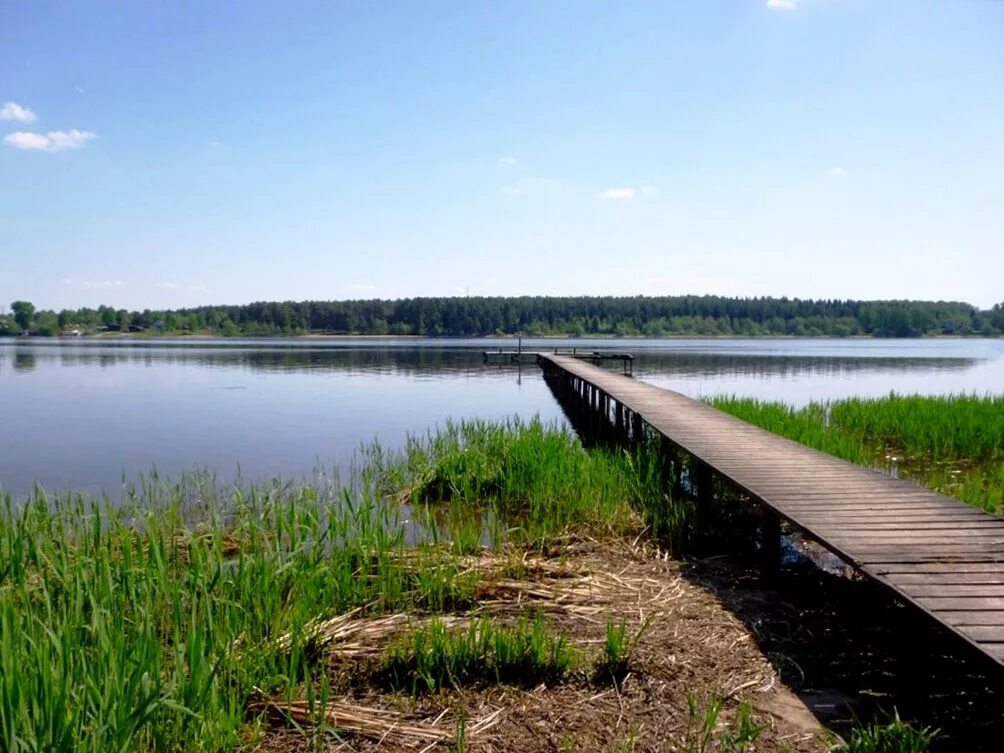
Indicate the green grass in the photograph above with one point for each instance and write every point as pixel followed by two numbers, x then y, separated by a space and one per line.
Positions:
pixel 894 736
pixel 435 656
pixel 149 624
pixel 536 478
pixel 708 732
pixel 952 444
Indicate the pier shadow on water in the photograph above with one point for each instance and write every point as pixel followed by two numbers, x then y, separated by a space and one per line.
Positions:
pixel 849 649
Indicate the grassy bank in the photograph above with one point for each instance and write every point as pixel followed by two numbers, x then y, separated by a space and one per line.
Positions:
pixel 153 625
pixel 486 581
pixel 952 444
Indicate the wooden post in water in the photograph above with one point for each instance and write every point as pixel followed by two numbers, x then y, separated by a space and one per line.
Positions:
pixel 705 482
pixel 636 429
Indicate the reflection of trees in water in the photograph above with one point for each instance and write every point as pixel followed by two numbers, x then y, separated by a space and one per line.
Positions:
pixel 303 360
pixel 709 365
pixel 24 360
pixel 430 361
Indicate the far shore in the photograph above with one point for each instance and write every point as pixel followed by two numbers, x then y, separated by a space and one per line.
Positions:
pixel 205 336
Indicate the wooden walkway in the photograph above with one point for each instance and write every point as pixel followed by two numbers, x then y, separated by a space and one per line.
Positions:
pixel 941 555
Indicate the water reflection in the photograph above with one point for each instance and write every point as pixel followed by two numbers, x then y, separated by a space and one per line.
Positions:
pixel 453 361
pixel 759 366
pixel 24 360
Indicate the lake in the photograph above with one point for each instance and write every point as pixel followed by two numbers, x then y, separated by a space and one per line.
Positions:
pixel 85 414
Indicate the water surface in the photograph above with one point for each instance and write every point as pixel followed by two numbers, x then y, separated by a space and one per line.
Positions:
pixel 84 414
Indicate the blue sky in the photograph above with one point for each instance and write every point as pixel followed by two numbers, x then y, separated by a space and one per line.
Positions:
pixel 170 153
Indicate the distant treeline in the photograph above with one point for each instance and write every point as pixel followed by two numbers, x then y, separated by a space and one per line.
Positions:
pixel 535 315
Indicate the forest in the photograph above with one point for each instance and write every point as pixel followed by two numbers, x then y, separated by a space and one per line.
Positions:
pixel 604 316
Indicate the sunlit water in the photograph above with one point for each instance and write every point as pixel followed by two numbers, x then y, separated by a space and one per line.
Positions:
pixel 84 414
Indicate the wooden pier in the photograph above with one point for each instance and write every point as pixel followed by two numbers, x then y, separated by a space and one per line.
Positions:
pixel 595 357
pixel 937 554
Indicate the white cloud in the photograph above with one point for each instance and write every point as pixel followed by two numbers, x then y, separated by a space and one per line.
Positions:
pixel 199 289
pixel 362 286
pixel 836 172
pixel 100 284
pixel 168 285
pixel 14 111
pixel 782 4
pixel 648 190
pixel 507 161
pixel 53 141
pixel 619 193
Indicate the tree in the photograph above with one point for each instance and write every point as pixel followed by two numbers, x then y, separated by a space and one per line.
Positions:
pixel 23 313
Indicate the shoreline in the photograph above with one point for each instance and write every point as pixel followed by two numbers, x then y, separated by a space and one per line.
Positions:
pixel 486 338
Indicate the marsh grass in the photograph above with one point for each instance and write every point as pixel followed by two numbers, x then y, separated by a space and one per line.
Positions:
pixel 151 624
pixel 436 656
pixel 952 444
pixel 536 478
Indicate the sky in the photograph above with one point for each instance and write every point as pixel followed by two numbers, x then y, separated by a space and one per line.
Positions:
pixel 162 153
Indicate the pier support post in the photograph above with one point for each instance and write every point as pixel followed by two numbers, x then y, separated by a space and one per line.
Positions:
pixel 705 492
pixel 637 429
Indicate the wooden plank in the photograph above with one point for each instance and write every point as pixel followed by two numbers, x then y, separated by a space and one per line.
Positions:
pixel 905 580
pixel 967 618
pixel 963 603
pixel 935 527
pixel 902 568
pixel 995 650
pixel 953 590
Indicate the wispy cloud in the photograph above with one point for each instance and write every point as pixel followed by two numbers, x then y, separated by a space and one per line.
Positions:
pixel 14 111
pixel 168 285
pixel 782 4
pixel 362 286
pixel 53 141
pixel 507 161
pixel 619 193
pixel 92 284
pixel 836 172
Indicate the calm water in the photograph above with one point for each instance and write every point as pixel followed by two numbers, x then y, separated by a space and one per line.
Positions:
pixel 81 414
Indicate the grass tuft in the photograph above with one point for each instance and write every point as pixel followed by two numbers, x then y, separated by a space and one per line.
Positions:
pixel 434 656
pixel 894 736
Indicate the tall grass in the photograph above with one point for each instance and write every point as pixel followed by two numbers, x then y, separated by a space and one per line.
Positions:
pixel 952 444
pixel 149 624
pixel 536 478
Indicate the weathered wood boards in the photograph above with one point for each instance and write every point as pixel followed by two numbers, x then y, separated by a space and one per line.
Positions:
pixel 941 555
